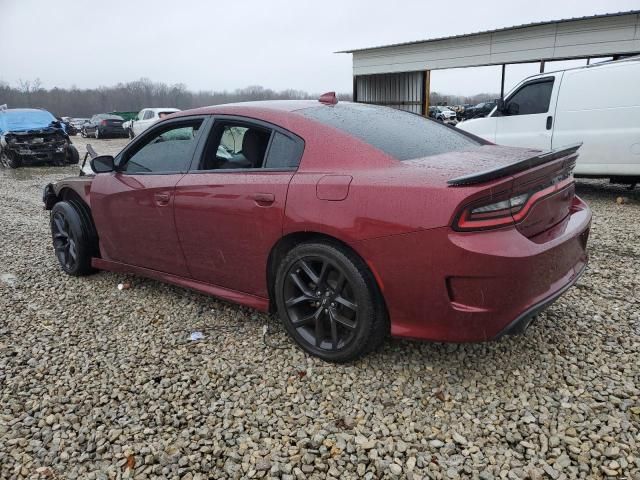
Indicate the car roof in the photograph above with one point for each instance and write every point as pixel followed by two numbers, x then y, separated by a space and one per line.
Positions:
pixel 163 109
pixel 272 105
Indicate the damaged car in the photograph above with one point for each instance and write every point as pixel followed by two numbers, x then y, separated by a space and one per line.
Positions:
pixel 352 221
pixel 32 136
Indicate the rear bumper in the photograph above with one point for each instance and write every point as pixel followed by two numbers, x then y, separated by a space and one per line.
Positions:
pixel 114 131
pixel 443 285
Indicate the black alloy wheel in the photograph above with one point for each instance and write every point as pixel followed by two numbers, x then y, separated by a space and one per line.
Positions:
pixel 329 302
pixel 74 238
pixel 64 243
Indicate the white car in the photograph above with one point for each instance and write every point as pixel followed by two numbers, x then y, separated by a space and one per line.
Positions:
pixel 598 105
pixel 145 118
pixel 446 115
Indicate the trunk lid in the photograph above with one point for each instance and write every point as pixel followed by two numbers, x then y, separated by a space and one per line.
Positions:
pixel 492 173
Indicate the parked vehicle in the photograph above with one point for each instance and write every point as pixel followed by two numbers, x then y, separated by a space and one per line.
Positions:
pixel 480 110
pixel 300 214
pixel 145 119
pixel 33 136
pixel 78 122
pixel 103 125
pixel 446 115
pixel 598 105
pixel 67 125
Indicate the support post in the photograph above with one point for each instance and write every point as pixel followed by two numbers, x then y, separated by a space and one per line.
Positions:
pixel 588 60
pixel 426 92
pixel 541 66
pixel 355 88
pixel 504 67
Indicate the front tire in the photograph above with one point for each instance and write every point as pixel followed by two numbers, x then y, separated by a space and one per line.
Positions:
pixel 329 302
pixel 10 159
pixel 74 238
pixel 72 155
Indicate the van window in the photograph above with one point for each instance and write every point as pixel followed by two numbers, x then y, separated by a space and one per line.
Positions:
pixel 530 98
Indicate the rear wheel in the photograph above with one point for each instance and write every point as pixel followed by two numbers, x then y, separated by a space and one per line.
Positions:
pixel 74 239
pixel 329 303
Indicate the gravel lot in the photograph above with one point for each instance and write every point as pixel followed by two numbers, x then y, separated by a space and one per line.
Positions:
pixel 102 383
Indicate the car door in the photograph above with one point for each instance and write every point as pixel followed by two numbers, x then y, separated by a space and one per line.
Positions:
pixel 133 207
pixel 229 208
pixel 526 120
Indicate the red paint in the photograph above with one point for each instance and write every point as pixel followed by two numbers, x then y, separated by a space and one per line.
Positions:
pixel 216 230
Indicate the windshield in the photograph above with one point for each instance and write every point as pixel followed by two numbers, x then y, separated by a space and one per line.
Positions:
pixel 402 135
pixel 17 120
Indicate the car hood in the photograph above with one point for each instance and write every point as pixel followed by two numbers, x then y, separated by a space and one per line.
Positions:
pixel 27 121
pixel 441 168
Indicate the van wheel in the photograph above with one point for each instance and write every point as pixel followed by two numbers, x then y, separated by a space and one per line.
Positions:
pixel 329 302
pixel 10 159
pixel 74 238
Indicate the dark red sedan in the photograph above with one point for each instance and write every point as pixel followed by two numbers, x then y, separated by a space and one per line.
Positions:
pixel 352 221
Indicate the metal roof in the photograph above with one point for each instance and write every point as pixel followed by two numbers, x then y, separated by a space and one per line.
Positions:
pixel 515 27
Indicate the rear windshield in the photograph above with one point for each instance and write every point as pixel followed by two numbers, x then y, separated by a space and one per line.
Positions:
pixel 402 135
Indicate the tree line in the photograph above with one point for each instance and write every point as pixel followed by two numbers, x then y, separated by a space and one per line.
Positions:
pixel 143 93
pixel 133 96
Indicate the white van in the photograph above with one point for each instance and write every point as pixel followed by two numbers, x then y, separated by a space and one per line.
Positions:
pixel 598 105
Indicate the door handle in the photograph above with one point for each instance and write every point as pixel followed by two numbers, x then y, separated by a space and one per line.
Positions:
pixel 264 198
pixel 162 198
pixel 549 122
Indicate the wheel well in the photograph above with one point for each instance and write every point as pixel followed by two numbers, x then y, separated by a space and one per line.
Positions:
pixel 286 243
pixel 67 194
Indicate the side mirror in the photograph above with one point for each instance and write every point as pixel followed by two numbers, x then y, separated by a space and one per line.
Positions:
pixel 500 105
pixel 102 164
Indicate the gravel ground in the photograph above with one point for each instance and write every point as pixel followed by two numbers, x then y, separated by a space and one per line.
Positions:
pixel 103 383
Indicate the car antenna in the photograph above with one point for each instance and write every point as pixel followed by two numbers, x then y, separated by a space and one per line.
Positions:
pixel 328 98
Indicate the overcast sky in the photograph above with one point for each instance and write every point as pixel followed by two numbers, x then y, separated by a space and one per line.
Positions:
pixel 216 45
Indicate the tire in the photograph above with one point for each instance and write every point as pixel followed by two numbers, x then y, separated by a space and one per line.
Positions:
pixel 329 302
pixel 10 160
pixel 72 157
pixel 83 133
pixel 74 238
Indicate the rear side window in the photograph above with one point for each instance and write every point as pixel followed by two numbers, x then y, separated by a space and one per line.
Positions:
pixel 530 99
pixel 402 135
pixel 284 152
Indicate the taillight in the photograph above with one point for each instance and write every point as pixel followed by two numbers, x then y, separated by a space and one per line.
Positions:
pixel 491 215
pixel 487 214
pixel 103 123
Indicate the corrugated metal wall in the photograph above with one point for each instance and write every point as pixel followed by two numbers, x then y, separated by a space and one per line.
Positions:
pixel 403 91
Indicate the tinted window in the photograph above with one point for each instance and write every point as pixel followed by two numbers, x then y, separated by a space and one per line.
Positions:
pixel 400 134
pixel 148 115
pixel 530 99
pixel 284 152
pixel 167 150
pixel 233 145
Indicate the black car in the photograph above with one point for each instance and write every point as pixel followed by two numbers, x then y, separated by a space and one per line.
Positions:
pixel 480 110
pixel 103 125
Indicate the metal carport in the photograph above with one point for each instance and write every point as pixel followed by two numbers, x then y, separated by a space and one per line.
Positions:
pixel 399 75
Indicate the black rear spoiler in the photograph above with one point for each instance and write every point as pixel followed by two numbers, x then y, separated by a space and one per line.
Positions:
pixel 515 167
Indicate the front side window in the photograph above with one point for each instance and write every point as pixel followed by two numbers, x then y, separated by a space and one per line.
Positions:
pixel 148 115
pixel 234 145
pixel 166 150
pixel 530 99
